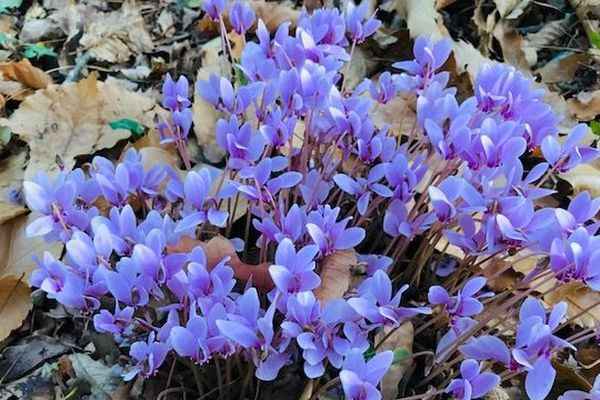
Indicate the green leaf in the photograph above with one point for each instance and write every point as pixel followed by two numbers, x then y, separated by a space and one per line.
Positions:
pixel 5 5
pixel 37 50
pixel 136 129
pixel 400 354
pixel 4 38
pixel 594 39
pixel 595 126
pixel 5 135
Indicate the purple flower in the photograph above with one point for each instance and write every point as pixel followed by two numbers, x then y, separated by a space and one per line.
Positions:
pixel 241 142
pixel 255 335
pixel 593 394
pixel 190 341
pixel 362 188
pixel 464 304
pixel 429 57
pixel 214 8
pixel 329 234
pixel 359 30
pixel 148 356
pixel 293 271
pixel 241 16
pixel 291 226
pixel 535 345
pixel 474 383
pixel 360 379
pixel 264 188
pixel 577 258
pixel 568 156
pixel 175 94
pixel 114 323
pixel 376 304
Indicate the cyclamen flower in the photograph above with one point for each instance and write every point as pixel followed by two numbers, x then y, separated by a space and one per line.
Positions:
pixel 241 16
pixel 148 356
pixel 535 345
pixel 474 383
pixel 358 29
pixel 593 394
pixel 363 188
pixel 568 156
pixel 464 304
pixel 175 94
pixel 263 187
pixel 56 202
pixel 330 234
pixel 115 323
pixel 293 271
pixel 577 258
pixel 214 8
pixel 255 335
pixel 360 379
pixel 190 341
pixel 376 304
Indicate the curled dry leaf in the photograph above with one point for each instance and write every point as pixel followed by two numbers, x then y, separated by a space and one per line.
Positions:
pixel 116 36
pixel 218 248
pixel 103 379
pixel 585 107
pixel 400 341
pixel 25 73
pixel 15 304
pixel 580 299
pixel 399 114
pixel 65 121
pixel 336 275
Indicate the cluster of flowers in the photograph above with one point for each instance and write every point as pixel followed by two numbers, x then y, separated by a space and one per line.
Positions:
pixel 318 175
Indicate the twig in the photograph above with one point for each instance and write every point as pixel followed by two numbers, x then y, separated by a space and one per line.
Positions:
pixel 80 63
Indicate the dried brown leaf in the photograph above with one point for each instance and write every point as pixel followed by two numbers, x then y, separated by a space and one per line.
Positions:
pixel 399 114
pixel 584 178
pixel 11 178
pixel 16 248
pixel 585 107
pixel 563 69
pixel 400 339
pixel 218 248
pixel 26 74
pixel 15 304
pixel 69 120
pixel 336 275
pixel 116 36
pixel 580 299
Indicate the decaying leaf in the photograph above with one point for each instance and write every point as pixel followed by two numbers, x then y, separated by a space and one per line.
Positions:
pixel 562 69
pixel 399 114
pixel 29 353
pixel 26 74
pixel 585 106
pixel 422 18
pixel 15 304
pixel 72 119
pixel 11 179
pixel 16 248
pixel 399 341
pixel 580 299
pixel 336 275
pixel 585 177
pixel 218 248
pixel 116 36
pixel 103 379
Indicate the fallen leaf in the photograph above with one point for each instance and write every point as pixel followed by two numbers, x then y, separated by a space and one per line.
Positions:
pixel 398 114
pixel 116 36
pixel 562 69
pixel 336 274
pixel 26 74
pixel 16 248
pixel 579 297
pixel 549 32
pixel 28 354
pixel 585 108
pixel 12 170
pixel 400 340
pixel 72 119
pixel 103 379
pixel 585 177
pixel 15 304
pixel 36 386
pixel 567 379
pixel 220 247
pixel 422 18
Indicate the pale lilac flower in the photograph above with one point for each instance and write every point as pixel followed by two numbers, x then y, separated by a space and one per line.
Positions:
pixel 360 379
pixel 473 384
pixel 241 16
pixel 148 356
